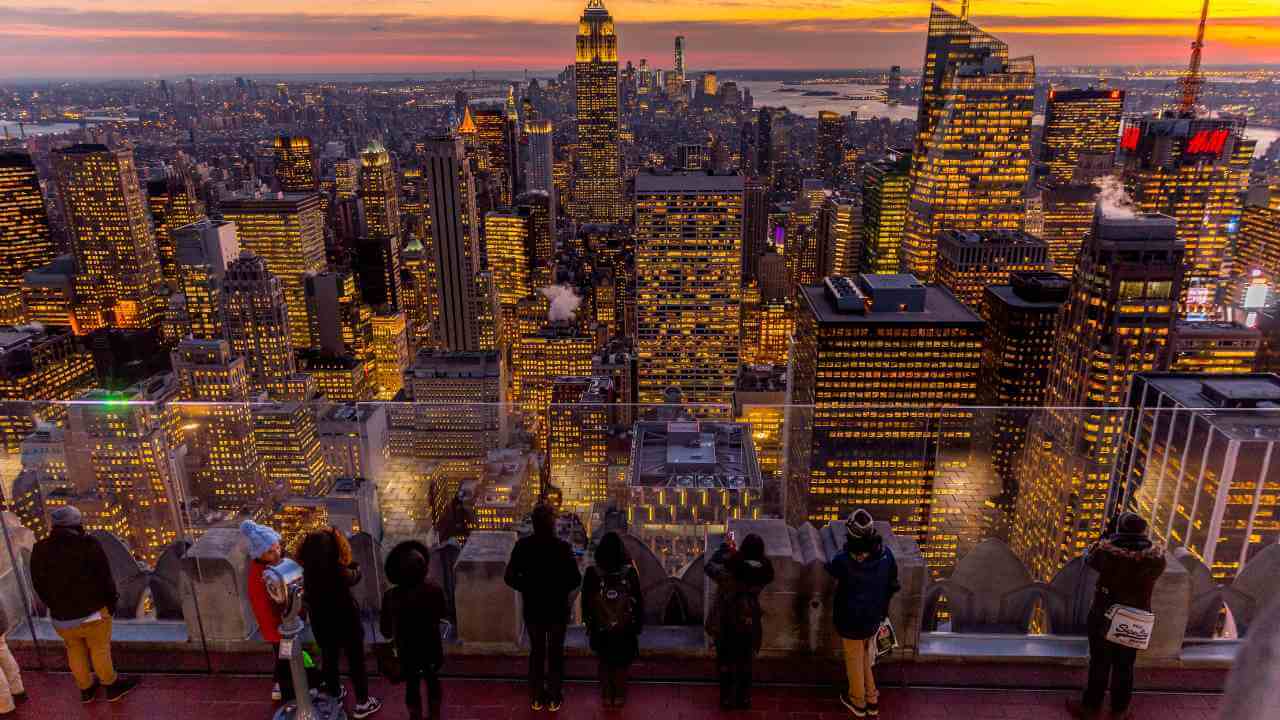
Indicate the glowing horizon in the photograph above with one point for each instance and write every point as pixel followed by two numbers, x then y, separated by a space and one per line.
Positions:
pixel 166 37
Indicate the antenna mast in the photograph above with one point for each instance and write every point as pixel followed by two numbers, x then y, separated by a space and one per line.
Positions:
pixel 964 9
pixel 1193 81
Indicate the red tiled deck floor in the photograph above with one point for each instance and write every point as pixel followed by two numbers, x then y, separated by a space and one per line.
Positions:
pixel 247 698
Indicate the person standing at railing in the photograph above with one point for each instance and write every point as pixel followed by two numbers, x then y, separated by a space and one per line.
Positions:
pixel 328 573
pixel 1128 565
pixel 412 611
pixel 72 577
pixel 866 575
pixel 545 572
pixel 263 545
pixel 735 620
pixel 613 612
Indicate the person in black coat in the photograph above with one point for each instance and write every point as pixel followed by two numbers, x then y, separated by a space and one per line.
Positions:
pixel 1128 565
pixel 613 613
pixel 545 572
pixel 328 573
pixel 866 576
pixel 412 611
pixel 72 577
pixel 734 623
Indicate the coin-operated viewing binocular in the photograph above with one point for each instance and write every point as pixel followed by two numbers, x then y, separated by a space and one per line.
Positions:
pixel 284 585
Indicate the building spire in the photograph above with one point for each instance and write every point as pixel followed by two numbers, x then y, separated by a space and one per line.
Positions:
pixel 1193 81
pixel 964 9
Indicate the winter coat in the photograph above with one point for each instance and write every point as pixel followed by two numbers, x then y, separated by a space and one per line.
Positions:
pixel 71 575
pixel 545 573
pixel 265 609
pixel 328 575
pixel 734 576
pixel 616 648
pixel 863 590
pixel 1128 567
pixel 412 610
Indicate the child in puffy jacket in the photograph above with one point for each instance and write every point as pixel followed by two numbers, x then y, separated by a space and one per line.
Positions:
pixel 264 550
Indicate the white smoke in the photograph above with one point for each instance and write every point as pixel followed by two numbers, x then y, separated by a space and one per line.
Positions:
pixel 1113 199
pixel 564 302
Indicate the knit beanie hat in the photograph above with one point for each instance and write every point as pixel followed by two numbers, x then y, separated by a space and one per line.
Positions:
pixel 67 516
pixel 859 524
pixel 259 537
pixel 1131 524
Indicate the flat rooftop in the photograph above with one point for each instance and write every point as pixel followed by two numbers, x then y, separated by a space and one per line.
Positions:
pixel 694 455
pixel 940 306
pixel 687 182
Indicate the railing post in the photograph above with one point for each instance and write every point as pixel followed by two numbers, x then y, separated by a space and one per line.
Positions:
pixel 488 611
pixel 217 569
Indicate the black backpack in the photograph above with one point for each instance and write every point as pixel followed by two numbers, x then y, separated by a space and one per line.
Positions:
pixel 615 608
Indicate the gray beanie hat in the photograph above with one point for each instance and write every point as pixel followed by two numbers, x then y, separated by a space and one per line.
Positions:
pixel 67 516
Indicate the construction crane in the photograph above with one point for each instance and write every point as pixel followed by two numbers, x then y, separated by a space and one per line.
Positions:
pixel 1193 81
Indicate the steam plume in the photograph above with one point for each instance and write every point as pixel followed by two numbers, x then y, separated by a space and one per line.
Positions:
pixel 564 302
pixel 1113 199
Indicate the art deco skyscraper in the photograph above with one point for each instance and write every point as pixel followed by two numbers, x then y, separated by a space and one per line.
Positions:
pixel 454 239
pixel 973 151
pixel 115 249
pixel 295 164
pixel 258 324
pixel 25 240
pixel 688 285
pixel 597 189
pixel 1115 323
pixel 1080 125
pixel 288 234
pixel 378 252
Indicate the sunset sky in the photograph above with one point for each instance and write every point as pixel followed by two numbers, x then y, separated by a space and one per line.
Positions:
pixel 150 38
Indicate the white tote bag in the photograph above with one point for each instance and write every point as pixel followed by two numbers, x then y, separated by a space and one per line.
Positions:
pixel 1130 627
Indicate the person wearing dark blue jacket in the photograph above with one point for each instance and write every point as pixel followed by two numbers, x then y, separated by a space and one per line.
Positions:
pixel 866 575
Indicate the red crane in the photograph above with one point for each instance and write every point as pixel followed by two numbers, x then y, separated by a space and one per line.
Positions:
pixel 1193 81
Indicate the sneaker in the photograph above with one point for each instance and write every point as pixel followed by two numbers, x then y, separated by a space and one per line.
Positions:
pixel 856 710
pixel 366 708
pixel 88 696
pixel 536 703
pixel 20 698
pixel 554 705
pixel 276 696
pixel 873 709
pixel 121 687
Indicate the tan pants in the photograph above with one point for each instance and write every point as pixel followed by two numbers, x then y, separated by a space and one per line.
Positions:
pixel 858 656
pixel 10 677
pixel 89 652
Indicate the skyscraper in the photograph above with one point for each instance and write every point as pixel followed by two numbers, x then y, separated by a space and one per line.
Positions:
pixel 1257 250
pixel 597 188
pixel 203 251
pixel 539 173
pixel 116 265
pixel 969 261
pixel 1197 458
pixel 679 58
pixel 286 437
pixel 1115 323
pixel 288 234
pixel 454 237
pixel 377 258
pixel 25 240
pixel 390 353
pixel 1066 214
pixel 173 203
pixel 541 209
pixel 508 240
pixel 497 151
pixel 1017 351
pixel 258 325
pixel 1079 124
pixel 1194 170
pixel 973 149
pixel 1212 347
pixel 886 189
pixel 577 440
pixel 755 225
pixel 688 285
pixel 831 140
pixel 877 359
pixel 558 348
pixel 295 164
pixel 840 236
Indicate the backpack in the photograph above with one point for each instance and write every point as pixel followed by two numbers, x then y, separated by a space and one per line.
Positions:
pixel 615 608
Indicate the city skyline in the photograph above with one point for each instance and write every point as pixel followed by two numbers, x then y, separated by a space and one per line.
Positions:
pixel 124 38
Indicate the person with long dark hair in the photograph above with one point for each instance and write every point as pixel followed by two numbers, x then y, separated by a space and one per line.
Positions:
pixel 613 613
pixel 328 573
pixel 411 614
pixel 734 623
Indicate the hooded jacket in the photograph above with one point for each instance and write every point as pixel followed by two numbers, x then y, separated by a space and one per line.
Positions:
pixel 863 588
pixel 71 575
pixel 328 574
pixel 1128 567
pixel 413 608
pixel 733 575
